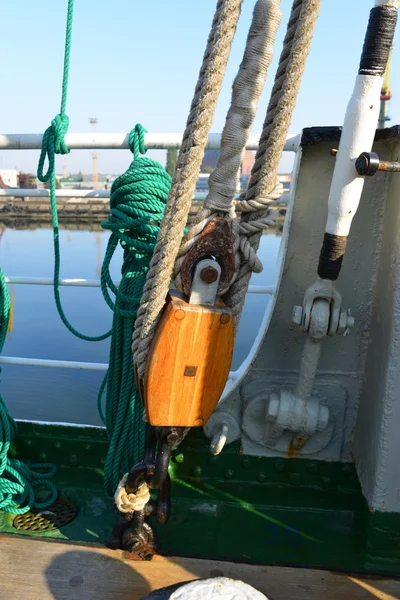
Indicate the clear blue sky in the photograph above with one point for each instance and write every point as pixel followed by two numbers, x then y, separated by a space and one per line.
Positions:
pixel 134 61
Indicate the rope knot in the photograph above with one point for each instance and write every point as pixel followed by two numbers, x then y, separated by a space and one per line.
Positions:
pixel 127 503
pixel 136 140
pixel 53 143
pixel 59 127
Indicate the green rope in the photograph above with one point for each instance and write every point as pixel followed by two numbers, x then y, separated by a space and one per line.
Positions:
pixel 137 202
pixel 54 143
pixel 22 485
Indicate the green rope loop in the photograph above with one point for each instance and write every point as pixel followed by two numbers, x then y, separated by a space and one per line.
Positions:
pixel 137 202
pixel 21 484
pixel 54 143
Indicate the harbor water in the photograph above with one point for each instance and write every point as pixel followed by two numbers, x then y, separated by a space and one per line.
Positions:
pixel 69 395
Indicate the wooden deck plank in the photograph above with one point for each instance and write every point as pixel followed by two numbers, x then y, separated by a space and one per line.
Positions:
pixel 41 570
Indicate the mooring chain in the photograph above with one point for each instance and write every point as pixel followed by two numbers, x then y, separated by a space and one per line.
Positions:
pixel 132 497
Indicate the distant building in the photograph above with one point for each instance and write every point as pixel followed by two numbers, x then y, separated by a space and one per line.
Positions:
pixel 71 183
pixel 211 158
pixel 202 183
pixel 27 181
pixel 9 178
pixel 209 161
pixel 247 162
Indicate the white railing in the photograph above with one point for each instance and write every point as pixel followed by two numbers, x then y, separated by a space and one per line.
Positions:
pixel 155 141
pixel 115 141
pixel 42 193
pixel 253 289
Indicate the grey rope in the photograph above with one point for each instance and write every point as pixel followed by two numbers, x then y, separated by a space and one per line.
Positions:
pixel 246 91
pixel 187 170
pixel 279 114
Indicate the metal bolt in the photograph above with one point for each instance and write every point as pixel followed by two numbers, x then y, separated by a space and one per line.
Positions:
pixel 273 408
pixel 209 275
pixel 198 422
pixel 323 417
pixel 219 439
pixel 179 458
pixel 224 318
pixel 57 445
pixel 228 474
pixel 73 460
pixel 279 465
pixel 312 468
pixel 297 316
pixel 261 477
pixel 295 478
pixel 196 471
pixel 350 319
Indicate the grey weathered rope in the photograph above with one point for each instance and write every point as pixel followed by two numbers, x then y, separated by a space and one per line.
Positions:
pixel 187 170
pixel 246 91
pixel 279 114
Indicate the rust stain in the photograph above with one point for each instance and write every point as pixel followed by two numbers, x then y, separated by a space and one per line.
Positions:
pixel 296 445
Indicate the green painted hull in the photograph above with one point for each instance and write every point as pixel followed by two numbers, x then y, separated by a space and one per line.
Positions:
pixel 233 507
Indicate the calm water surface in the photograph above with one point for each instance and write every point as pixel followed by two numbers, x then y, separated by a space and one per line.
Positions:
pixel 69 395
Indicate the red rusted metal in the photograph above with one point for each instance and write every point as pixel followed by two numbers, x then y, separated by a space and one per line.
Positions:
pixel 216 242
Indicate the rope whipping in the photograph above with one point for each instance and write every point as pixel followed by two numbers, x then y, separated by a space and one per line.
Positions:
pixel 137 203
pixel 187 170
pixel 23 485
pixel 54 143
pixel 262 183
pixel 246 91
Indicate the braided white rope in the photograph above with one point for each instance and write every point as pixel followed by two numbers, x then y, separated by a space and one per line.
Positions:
pixel 127 503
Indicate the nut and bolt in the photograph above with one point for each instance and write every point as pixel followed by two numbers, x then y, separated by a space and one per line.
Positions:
pixel 297 316
pixel 209 275
pixel 273 407
pixel 346 322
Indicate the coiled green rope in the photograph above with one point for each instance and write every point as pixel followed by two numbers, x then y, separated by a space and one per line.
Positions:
pixel 138 199
pixel 21 484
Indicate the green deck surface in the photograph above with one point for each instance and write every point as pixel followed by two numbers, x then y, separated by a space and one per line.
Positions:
pixel 233 507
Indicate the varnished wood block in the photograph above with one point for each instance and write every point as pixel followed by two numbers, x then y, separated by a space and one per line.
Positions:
pixel 188 364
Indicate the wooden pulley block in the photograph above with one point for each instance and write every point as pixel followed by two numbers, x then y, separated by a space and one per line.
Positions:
pixel 188 363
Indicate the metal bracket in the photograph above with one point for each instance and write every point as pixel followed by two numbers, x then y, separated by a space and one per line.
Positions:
pixel 214 241
pixel 325 290
pixel 205 282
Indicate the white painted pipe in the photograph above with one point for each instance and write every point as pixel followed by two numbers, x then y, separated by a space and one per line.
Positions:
pixel 358 134
pixel 113 141
pixel 253 289
pixel 42 193
pixel 53 364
